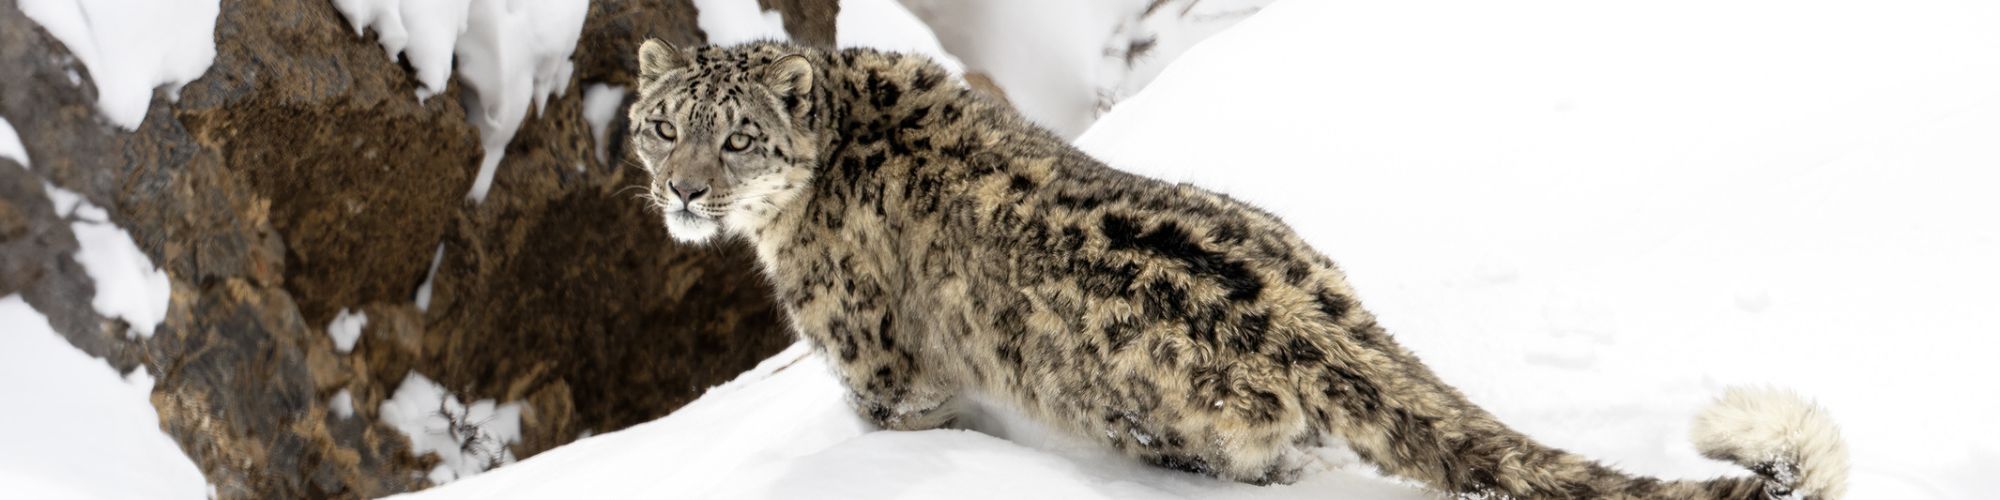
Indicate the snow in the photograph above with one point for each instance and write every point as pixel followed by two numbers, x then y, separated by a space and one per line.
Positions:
pixel 346 329
pixel 128 285
pixel 132 46
pixel 423 298
pixel 467 439
pixel 427 40
pixel 730 22
pixel 886 25
pixel 341 404
pixel 782 430
pixel 1591 239
pixel 601 103
pixel 74 428
pixel 511 54
pixel 1589 217
pixel 10 145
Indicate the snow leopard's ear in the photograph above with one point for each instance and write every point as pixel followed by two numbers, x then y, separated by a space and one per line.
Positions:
pixel 656 58
pixel 790 76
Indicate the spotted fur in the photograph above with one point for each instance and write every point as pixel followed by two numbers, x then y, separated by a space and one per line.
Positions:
pixel 933 244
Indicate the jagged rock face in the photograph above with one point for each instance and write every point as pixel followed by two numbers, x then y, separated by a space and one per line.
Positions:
pixel 300 176
pixel 360 176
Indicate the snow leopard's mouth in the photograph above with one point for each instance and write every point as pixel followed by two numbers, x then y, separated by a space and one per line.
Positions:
pixel 689 216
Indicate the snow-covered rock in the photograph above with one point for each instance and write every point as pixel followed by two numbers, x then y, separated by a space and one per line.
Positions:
pixel 1061 61
pixel 513 55
pixel 132 46
pixel 128 285
pixel 1590 217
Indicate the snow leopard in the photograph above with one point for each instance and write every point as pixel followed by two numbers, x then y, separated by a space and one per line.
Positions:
pixel 937 247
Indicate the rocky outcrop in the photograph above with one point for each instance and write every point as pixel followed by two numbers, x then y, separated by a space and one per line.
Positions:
pixel 300 177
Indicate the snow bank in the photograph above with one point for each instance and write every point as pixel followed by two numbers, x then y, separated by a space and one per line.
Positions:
pixel 132 46
pixel 466 439
pixel 1591 217
pixel 730 22
pixel 128 285
pixel 1584 215
pixel 511 54
pixel 10 144
pixel 74 428
pixel 783 430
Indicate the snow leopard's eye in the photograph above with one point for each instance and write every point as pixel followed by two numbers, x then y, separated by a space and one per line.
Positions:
pixel 663 130
pixel 737 142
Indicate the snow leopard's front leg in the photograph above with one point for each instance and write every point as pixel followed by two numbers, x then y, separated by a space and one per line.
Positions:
pixel 887 384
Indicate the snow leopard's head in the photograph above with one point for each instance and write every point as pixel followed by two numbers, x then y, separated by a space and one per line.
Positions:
pixel 724 133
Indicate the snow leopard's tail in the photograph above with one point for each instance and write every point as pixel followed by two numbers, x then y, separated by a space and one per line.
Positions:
pixel 1787 440
pixel 1409 423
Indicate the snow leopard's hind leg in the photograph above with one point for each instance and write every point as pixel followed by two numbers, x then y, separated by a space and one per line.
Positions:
pixel 888 386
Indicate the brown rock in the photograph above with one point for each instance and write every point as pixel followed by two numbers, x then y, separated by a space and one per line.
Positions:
pixel 361 176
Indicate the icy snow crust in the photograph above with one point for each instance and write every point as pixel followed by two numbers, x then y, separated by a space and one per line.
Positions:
pixel 132 46
pixel 1590 217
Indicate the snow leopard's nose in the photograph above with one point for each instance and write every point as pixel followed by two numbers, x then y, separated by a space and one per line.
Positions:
pixel 688 192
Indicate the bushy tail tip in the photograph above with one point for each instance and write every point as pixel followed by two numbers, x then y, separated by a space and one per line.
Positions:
pixel 1778 434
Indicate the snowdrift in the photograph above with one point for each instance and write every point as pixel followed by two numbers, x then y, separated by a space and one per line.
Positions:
pixel 1590 217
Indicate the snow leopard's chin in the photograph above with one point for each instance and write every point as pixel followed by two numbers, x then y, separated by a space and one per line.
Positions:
pixel 689 228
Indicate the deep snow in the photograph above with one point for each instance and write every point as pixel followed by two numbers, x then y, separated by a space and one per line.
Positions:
pixel 1590 217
